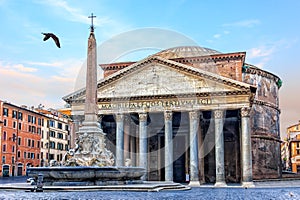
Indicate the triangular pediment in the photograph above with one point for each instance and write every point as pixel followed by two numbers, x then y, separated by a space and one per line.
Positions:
pixel 156 76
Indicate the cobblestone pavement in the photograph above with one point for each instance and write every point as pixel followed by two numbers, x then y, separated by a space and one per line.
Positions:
pixel 194 193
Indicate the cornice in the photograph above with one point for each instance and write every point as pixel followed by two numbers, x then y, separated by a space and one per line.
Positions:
pixel 212 58
pixel 186 95
pixel 259 102
pixel 251 69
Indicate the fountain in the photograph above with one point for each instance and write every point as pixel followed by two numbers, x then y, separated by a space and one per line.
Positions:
pixel 89 163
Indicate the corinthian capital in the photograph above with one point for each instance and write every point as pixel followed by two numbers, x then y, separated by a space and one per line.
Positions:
pixel 245 111
pixel 168 115
pixel 119 117
pixel 194 115
pixel 218 114
pixel 143 117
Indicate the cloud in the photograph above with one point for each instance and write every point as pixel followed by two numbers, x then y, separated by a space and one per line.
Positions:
pixel 244 23
pixel 22 68
pixel 262 51
pixel 24 88
pixel 75 14
pixel 46 64
pixel 217 36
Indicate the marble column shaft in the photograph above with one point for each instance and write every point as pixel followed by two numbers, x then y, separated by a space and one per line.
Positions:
pixel 143 147
pixel 219 147
pixel 168 146
pixel 194 127
pixel 120 140
pixel 126 137
pixel 246 146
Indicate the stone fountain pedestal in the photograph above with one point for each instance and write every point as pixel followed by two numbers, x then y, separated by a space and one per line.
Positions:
pixel 87 175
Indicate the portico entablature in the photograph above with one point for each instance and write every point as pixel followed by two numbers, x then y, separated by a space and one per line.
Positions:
pixel 156 84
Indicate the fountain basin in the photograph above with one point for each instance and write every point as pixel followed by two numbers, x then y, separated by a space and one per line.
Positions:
pixel 82 175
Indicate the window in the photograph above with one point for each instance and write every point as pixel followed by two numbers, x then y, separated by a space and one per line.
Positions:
pixel 60 146
pixel 42 144
pixel 52 133
pixel 39 130
pixel 33 129
pixel 33 119
pixel 29 128
pixel 66 147
pixel 57 157
pixel 29 118
pixel 19 154
pixel 13 148
pixel 14 137
pixel 28 155
pixel 3 159
pixel 66 127
pixel 24 155
pixel 4 135
pixel 39 121
pixel 51 123
pixel 19 141
pixel 38 156
pixel 5 122
pixel 59 125
pixel 52 145
pixel 42 134
pixel 14 124
pixel 20 116
pixel 20 126
pixel 47 155
pixel 14 114
pixel 29 142
pixel 32 143
pixel 38 144
pixel 60 135
pixel 13 159
pixel 51 156
pixel 32 155
pixel 5 112
pixel 4 148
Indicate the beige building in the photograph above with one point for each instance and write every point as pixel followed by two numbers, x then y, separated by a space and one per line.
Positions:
pixel 293 147
pixel 56 136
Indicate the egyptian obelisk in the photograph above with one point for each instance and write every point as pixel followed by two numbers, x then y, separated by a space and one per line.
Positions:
pixel 90 143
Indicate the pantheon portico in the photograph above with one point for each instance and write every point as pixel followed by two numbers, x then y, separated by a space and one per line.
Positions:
pixel 189 114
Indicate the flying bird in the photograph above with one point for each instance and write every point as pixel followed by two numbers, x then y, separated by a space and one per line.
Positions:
pixel 54 37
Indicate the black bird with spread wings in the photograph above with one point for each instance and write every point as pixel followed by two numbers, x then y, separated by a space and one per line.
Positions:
pixel 54 37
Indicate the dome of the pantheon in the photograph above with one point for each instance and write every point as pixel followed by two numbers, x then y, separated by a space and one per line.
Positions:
pixel 186 51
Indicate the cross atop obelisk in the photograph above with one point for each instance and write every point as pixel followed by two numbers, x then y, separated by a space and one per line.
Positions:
pixel 92 22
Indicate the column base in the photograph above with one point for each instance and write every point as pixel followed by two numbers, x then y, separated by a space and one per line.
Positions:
pixel 249 184
pixel 220 184
pixel 194 184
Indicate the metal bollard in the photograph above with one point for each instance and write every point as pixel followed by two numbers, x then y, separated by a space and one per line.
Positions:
pixel 39 185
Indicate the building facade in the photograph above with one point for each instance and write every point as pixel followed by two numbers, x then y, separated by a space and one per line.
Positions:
pixel 292 148
pixel 31 137
pixel 56 137
pixel 20 139
pixel 190 114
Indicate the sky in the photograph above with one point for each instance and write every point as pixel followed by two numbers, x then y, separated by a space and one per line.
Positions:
pixel 34 72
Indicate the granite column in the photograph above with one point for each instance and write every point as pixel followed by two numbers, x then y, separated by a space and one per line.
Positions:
pixel 168 115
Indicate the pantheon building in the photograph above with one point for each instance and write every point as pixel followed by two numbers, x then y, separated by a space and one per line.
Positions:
pixel 190 113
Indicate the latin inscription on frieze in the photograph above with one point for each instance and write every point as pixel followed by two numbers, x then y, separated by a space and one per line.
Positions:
pixel 155 104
